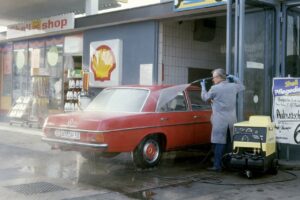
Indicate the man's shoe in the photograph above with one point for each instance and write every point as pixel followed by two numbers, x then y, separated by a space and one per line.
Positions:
pixel 214 169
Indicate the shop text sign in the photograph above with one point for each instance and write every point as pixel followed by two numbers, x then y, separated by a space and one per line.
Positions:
pixel 286 109
pixel 180 5
pixel 39 26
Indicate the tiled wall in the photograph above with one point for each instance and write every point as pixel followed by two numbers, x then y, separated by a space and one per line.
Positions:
pixel 178 51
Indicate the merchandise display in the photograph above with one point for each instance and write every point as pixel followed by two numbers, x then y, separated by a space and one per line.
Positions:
pixel 73 88
pixel 40 99
pixel 20 111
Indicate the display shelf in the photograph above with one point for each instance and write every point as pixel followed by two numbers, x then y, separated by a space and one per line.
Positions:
pixel 20 112
pixel 73 85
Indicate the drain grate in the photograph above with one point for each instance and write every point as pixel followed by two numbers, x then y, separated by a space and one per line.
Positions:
pixel 35 188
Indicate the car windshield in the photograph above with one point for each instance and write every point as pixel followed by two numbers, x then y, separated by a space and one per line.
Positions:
pixel 119 100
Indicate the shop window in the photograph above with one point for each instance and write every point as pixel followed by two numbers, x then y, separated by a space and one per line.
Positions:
pixel 6 71
pixel 54 65
pixel 73 72
pixel 21 78
pixel 6 77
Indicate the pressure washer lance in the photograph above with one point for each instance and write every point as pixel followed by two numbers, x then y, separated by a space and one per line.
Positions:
pixel 230 79
pixel 202 79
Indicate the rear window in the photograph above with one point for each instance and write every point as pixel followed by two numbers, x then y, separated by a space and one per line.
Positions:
pixel 119 100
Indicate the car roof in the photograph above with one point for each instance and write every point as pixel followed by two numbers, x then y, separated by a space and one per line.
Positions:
pixel 152 87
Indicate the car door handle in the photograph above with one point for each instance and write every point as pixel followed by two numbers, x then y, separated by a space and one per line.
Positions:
pixel 164 119
pixel 196 116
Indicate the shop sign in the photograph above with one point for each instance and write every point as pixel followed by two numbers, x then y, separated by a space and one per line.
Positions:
pixel 180 5
pixel 286 109
pixel 39 26
pixel 105 63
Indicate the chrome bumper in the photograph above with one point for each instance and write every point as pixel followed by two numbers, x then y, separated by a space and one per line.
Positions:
pixel 78 144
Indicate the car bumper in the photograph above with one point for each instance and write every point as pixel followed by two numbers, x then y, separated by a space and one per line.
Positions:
pixel 68 144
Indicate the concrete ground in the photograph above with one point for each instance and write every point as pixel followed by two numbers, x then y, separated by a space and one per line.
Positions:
pixel 25 159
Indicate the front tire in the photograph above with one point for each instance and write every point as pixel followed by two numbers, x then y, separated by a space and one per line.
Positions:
pixel 148 153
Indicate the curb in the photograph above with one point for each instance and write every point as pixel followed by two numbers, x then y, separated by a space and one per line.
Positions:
pixel 289 164
pixel 20 129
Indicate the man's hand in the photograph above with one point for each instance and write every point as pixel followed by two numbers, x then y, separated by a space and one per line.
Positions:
pixel 232 78
pixel 202 83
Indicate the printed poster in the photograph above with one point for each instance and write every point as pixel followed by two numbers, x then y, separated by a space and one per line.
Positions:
pixel 286 109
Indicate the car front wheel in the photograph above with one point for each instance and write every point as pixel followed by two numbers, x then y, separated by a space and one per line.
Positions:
pixel 148 153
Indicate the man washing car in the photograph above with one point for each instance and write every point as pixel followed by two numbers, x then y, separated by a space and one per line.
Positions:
pixel 222 96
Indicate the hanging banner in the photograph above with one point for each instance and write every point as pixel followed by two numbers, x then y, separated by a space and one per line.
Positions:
pixel 105 63
pixel 180 5
pixel 286 109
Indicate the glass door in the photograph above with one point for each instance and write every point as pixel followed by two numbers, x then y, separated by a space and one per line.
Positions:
pixel 259 64
pixel 292 59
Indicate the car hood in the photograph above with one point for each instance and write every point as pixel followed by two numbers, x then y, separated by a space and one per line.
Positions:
pixel 100 121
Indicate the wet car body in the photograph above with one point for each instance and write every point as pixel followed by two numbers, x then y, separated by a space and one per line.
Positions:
pixel 148 124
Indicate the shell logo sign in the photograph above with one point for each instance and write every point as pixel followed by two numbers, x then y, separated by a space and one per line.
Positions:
pixel 105 63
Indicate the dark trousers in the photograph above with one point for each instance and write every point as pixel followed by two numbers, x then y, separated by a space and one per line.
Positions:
pixel 220 149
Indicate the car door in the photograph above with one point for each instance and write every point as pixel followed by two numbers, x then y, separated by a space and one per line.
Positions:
pixel 176 121
pixel 201 113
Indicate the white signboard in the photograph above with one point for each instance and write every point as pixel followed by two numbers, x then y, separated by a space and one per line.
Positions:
pixel 39 26
pixel 146 74
pixel 105 63
pixel 286 109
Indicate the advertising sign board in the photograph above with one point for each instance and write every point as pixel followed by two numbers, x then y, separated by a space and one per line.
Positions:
pixel 286 109
pixel 180 5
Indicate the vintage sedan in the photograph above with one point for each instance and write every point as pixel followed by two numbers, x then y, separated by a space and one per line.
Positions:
pixel 143 120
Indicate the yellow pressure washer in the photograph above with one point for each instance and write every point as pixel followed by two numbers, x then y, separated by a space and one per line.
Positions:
pixel 254 146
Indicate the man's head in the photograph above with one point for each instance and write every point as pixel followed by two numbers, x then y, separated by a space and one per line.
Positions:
pixel 218 75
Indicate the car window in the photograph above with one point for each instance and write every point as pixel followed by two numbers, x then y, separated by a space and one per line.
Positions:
pixel 196 101
pixel 178 103
pixel 119 100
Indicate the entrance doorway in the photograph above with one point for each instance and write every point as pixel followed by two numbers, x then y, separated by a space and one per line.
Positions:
pixel 191 49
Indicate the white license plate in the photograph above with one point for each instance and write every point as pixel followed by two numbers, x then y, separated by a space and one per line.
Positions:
pixel 67 134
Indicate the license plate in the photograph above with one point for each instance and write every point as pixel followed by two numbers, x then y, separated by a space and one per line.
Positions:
pixel 67 134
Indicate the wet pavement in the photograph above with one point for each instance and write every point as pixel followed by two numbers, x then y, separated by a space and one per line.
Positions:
pixel 31 170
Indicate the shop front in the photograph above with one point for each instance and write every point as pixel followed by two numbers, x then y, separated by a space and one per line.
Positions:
pixel 36 78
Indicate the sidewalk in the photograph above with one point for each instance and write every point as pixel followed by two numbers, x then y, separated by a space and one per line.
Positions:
pixel 5 126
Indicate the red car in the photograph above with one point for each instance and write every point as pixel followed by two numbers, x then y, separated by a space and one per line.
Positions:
pixel 144 120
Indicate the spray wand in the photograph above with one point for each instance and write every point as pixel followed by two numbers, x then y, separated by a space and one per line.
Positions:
pixel 202 79
pixel 230 79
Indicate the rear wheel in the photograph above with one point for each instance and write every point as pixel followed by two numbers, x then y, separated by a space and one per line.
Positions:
pixel 148 153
